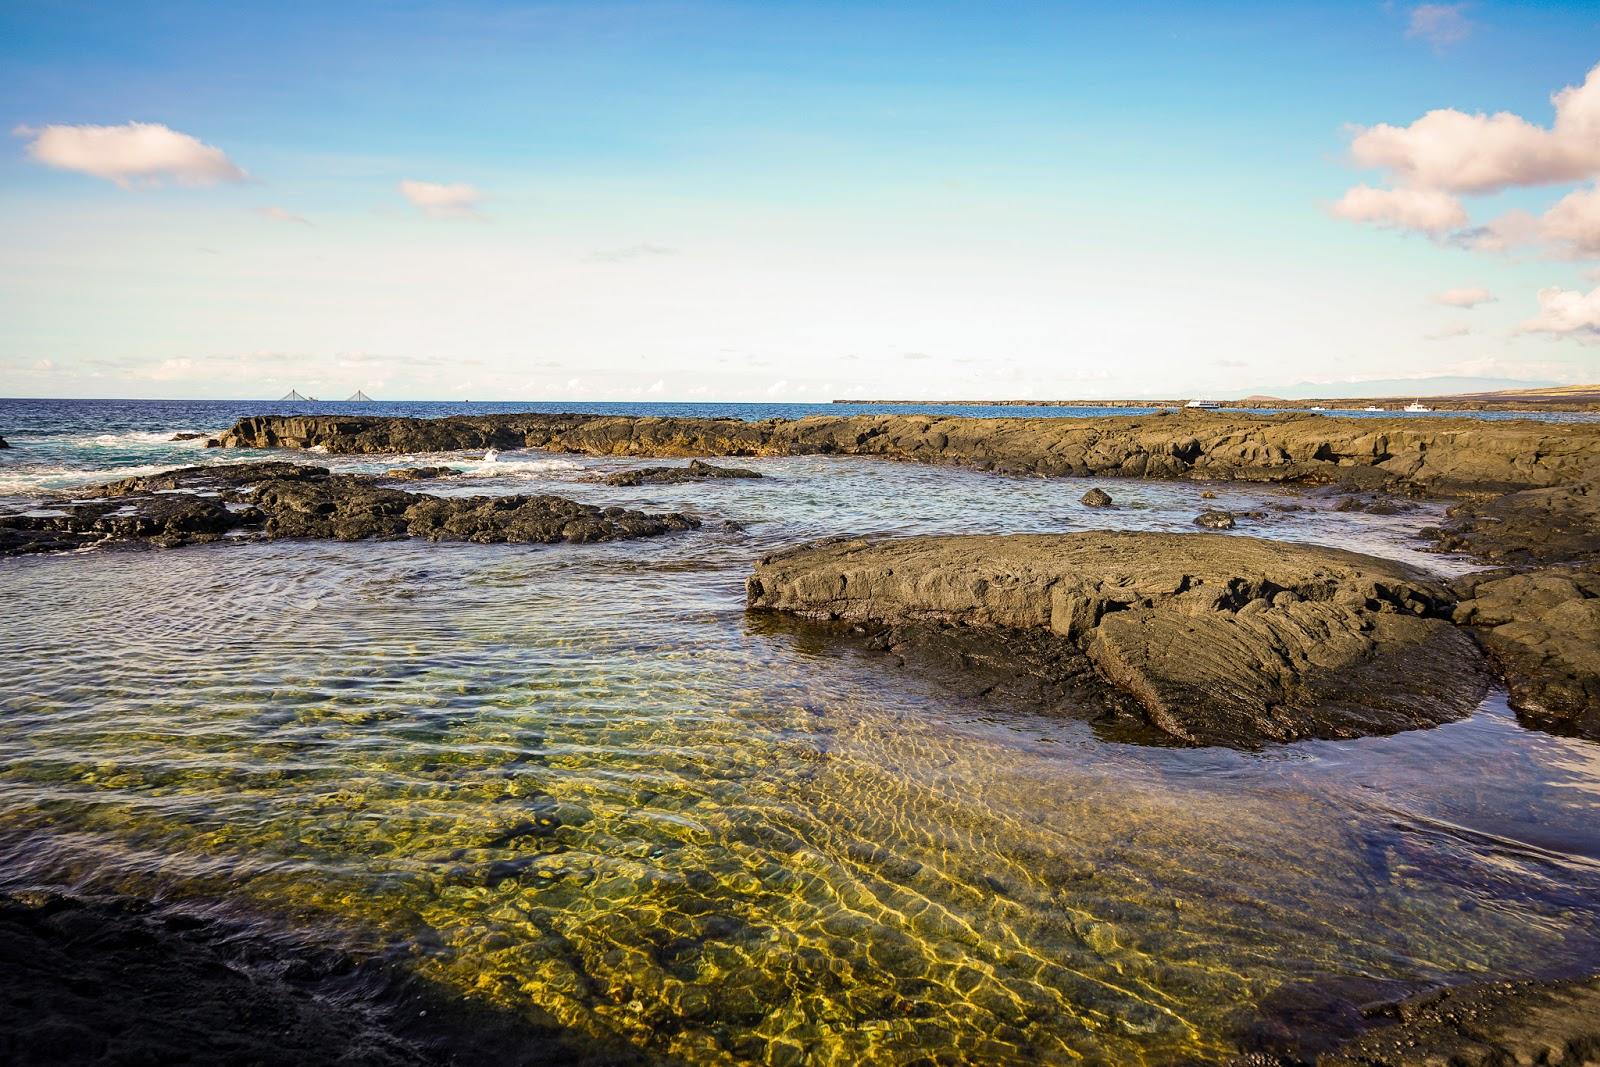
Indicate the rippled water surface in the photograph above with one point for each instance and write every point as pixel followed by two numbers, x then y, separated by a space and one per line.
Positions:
pixel 578 782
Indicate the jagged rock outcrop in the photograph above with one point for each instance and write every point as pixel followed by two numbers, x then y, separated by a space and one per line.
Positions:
pixel 1542 628
pixel 1441 455
pixel 696 471
pixel 276 500
pixel 1220 639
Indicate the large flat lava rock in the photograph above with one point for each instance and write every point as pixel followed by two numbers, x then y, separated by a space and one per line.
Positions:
pixel 1220 639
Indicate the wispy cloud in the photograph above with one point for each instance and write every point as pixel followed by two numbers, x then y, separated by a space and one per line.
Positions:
pixel 137 153
pixel 1445 333
pixel 1468 296
pixel 454 201
pixel 643 250
pixel 279 214
pixel 1439 24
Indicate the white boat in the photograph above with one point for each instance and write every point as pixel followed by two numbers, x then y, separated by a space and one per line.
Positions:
pixel 1203 405
pixel 1318 407
pixel 1417 405
pixel 1373 407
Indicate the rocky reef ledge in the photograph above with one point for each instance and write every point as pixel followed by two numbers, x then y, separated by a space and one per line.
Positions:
pixel 1219 639
pixel 276 500
pixel 1433 454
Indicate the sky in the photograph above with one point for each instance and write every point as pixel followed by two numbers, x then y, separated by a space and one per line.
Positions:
pixel 793 201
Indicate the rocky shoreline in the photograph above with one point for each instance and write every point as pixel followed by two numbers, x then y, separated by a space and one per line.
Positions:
pixel 1437 456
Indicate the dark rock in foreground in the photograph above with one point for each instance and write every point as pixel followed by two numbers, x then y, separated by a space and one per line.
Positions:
pixel 276 500
pixel 1221 640
pixel 124 982
pixel 696 471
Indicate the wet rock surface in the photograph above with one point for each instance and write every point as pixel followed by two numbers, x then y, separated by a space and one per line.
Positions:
pixel 1220 640
pixel 276 500
pixel 1215 520
pixel 1441 454
pixel 696 471
pixel 1554 1023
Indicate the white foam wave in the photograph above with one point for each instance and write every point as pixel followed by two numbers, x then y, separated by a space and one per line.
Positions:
pixel 135 439
pixel 511 468
pixel 32 482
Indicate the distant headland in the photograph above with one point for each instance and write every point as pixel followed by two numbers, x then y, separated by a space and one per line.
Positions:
pixel 1554 398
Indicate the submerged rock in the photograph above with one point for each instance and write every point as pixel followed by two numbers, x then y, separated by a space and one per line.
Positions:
pixel 1096 498
pixel 278 500
pixel 187 436
pixel 1220 640
pixel 3 443
pixel 1215 520
pixel 696 471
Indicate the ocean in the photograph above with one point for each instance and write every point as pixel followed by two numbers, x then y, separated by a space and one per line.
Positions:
pixel 579 783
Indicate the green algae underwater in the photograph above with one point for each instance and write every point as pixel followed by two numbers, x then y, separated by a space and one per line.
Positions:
pixel 578 784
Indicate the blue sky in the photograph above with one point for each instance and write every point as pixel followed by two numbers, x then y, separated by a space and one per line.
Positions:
pixel 776 200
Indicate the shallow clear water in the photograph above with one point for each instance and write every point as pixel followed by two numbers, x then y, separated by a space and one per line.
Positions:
pixel 580 783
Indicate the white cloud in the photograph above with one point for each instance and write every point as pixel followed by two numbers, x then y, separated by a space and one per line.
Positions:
pixel 1447 332
pixel 1439 24
pixel 658 386
pixel 1465 297
pixel 456 201
pixel 278 214
pixel 142 153
pixel 1567 313
pixel 1448 153
pixel 1427 210
pixel 1451 150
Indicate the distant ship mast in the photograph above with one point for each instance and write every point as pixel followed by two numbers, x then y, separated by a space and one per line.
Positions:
pixel 359 398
